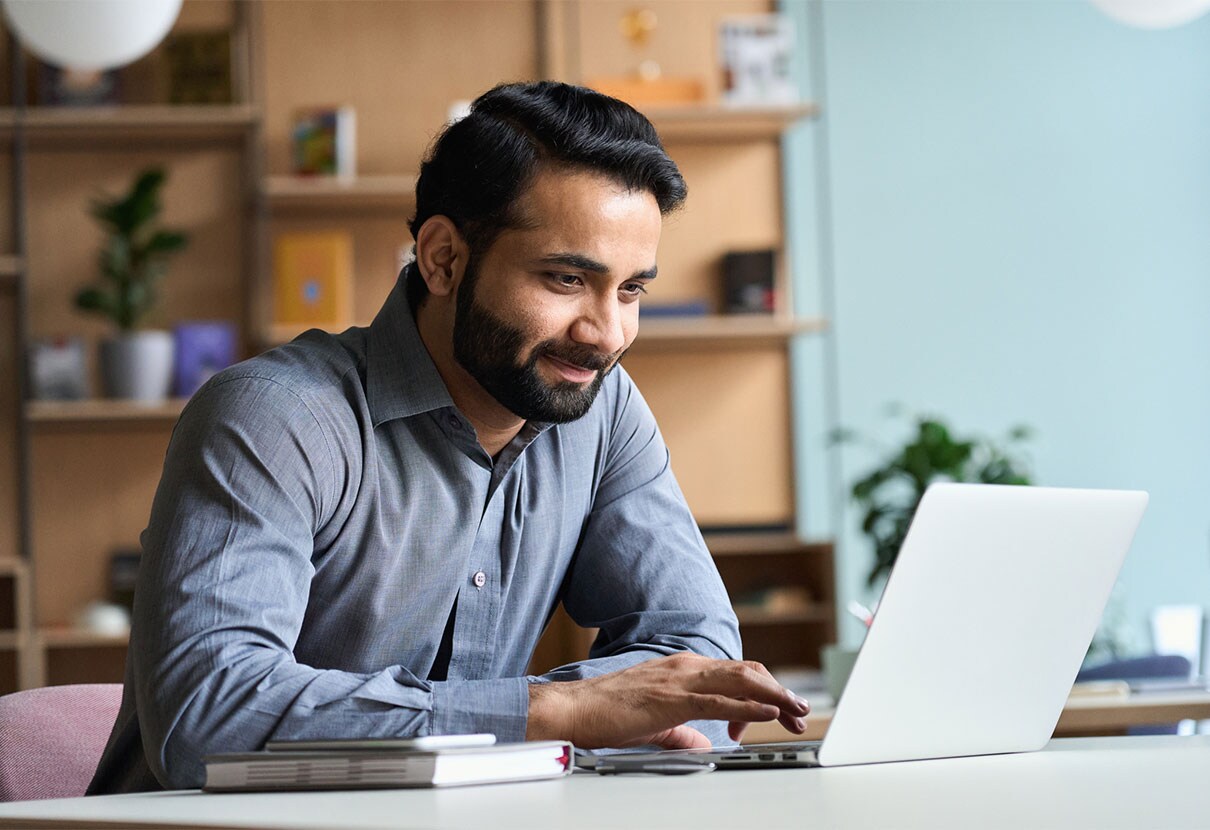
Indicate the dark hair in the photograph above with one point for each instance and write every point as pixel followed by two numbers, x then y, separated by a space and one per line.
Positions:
pixel 479 166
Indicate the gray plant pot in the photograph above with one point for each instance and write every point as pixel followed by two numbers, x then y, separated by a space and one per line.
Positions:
pixel 137 366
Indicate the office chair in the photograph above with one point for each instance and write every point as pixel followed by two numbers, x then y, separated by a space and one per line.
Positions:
pixel 51 739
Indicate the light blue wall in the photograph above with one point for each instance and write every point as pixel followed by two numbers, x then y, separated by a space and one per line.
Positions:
pixel 1005 209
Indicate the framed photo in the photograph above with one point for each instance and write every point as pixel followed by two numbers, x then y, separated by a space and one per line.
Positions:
pixel 756 53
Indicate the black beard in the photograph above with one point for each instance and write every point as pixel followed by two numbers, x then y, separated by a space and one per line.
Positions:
pixel 489 349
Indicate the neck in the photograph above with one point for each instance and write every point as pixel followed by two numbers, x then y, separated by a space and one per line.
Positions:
pixel 494 425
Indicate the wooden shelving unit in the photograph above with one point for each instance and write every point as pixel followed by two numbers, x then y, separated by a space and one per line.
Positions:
pixel 102 410
pixel 62 638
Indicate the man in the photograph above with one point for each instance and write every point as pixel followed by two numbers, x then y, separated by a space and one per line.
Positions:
pixel 364 534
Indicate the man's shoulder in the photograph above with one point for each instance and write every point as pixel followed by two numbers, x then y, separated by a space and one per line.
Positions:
pixel 319 371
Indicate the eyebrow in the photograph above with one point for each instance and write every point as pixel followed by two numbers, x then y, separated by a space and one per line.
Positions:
pixel 584 263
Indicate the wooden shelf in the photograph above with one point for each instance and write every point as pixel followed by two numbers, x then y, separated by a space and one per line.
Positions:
pixel 102 410
pixel 334 193
pixel 724 330
pixel 10 266
pixel 761 544
pixel 202 123
pixel 716 123
pixel 754 616
pixel 712 330
pixel 11 566
pixel 67 637
pixel 10 640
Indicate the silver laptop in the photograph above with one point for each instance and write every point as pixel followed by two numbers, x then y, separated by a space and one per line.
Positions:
pixel 984 623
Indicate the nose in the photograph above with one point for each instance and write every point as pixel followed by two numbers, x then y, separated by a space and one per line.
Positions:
pixel 601 325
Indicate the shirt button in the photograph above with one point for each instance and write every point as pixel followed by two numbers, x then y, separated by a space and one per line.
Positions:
pixel 454 422
pixel 479 579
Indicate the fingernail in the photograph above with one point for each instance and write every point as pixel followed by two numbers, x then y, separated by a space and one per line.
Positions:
pixel 803 704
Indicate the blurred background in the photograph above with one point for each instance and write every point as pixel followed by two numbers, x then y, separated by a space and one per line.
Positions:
pixel 924 241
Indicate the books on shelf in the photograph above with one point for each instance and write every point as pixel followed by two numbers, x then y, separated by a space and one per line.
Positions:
pixel 325 142
pixel 382 767
pixel 313 278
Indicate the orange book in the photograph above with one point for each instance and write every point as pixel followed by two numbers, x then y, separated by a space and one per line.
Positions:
pixel 313 279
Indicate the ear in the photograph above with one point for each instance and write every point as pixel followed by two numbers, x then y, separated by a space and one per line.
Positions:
pixel 441 255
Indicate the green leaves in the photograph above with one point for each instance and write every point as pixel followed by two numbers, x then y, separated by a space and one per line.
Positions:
pixel 134 256
pixel 889 494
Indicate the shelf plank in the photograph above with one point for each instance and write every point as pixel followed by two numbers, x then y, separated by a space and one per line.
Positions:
pixel 715 122
pixel 761 544
pixel 335 193
pixel 11 566
pixel 819 613
pixel 10 266
pixel 178 122
pixel 67 637
pixel 102 410
pixel 711 330
pixel 724 330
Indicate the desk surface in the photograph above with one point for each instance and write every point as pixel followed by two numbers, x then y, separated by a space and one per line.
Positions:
pixel 1073 783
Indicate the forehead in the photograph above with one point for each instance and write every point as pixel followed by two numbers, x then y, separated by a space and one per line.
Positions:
pixel 585 212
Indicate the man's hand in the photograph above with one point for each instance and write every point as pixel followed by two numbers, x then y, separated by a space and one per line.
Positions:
pixel 650 703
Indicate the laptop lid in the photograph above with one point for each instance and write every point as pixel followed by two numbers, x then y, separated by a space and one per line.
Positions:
pixel 984 622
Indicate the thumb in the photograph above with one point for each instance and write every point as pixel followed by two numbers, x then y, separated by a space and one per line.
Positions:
pixel 681 737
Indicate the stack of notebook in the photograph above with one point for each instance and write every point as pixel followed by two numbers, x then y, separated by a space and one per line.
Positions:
pixel 341 765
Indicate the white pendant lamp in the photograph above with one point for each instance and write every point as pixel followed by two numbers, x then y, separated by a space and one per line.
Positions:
pixel 1153 14
pixel 91 34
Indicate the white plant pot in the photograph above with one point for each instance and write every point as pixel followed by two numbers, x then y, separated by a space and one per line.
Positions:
pixel 137 366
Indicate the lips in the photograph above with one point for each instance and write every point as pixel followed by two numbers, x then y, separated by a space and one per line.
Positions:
pixel 571 371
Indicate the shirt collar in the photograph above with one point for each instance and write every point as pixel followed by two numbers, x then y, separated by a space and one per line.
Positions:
pixel 400 374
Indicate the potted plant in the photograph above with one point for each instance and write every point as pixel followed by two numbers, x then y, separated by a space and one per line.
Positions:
pixel 135 364
pixel 889 494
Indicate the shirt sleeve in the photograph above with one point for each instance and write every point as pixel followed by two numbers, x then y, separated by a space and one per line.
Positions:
pixel 249 479
pixel 642 573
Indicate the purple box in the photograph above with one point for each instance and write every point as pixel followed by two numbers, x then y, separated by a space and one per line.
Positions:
pixel 202 350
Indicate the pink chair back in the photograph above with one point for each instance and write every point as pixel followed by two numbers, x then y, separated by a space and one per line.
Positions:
pixel 51 739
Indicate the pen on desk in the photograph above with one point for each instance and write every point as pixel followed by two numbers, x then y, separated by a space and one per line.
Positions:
pixel 861 612
pixel 661 766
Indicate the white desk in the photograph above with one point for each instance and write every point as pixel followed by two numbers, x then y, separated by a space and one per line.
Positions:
pixel 1153 782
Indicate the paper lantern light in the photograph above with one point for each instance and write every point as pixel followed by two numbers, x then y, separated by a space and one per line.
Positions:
pixel 91 34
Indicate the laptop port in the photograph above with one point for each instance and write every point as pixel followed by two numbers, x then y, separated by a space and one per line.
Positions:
pixel 766 756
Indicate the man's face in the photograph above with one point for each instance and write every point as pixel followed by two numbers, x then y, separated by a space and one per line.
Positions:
pixel 548 310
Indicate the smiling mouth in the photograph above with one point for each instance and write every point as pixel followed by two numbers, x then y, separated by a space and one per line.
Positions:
pixel 570 371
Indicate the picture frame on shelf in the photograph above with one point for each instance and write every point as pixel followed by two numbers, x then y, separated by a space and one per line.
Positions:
pixel 323 142
pixel 203 348
pixel 756 55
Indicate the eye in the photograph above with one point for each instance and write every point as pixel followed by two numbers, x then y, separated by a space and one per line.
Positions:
pixel 566 280
pixel 633 290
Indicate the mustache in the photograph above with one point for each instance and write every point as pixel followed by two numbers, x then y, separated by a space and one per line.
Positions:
pixel 585 357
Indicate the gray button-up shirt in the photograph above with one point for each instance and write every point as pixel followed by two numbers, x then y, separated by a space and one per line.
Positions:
pixel 324 507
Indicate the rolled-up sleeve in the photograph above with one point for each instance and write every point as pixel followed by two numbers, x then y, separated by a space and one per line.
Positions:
pixel 250 478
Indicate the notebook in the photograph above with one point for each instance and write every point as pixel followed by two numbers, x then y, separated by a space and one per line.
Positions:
pixel 984 622
pixel 369 767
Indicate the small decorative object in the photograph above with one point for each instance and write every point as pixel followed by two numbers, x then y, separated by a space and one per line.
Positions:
pixel 889 494
pixel 202 350
pixel 123 576
pixel 748 282
pixel 58 369
pixel 756 53
pixel 325 142
pixel 135 364
pixel 199 67
pixel 685 308
pixel 104 618
pixel 647 84
pixel 91 34
pixel 77 87
pixel 313 278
